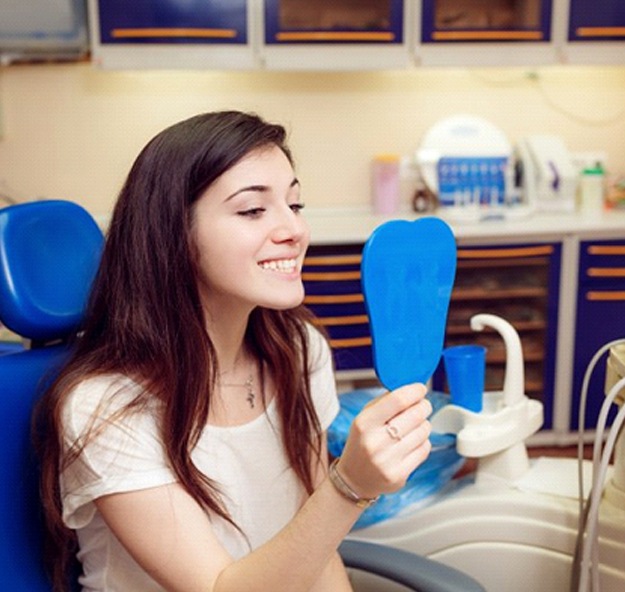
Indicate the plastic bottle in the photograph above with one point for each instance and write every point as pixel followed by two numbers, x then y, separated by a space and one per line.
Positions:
pixel 592 189
pixel 385 184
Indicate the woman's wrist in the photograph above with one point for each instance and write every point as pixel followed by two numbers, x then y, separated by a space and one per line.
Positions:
pixel 346 490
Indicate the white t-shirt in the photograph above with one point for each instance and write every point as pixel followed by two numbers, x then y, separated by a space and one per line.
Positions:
pixel 261 491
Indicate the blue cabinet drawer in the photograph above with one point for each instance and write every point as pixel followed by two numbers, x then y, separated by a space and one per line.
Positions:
pixel 602 262
pixel 333 292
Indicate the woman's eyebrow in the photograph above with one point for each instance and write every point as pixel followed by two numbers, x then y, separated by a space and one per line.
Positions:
pixel 258 188
pixel 248 188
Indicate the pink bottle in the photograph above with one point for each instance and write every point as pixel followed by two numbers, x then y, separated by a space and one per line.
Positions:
pixel 385 184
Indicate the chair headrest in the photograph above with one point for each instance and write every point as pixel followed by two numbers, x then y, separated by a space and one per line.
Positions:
pixel 49 254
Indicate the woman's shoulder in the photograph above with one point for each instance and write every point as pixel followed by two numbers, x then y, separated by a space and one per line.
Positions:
pixel 100 396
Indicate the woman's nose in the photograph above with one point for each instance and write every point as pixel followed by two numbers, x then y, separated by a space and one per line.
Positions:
pixel 290 227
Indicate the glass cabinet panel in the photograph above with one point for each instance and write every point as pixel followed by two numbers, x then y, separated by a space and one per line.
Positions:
pixel 446 21
pixel 334 21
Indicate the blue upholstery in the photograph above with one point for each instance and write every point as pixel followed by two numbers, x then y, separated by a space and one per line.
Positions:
pixel 49 252
pixel 48 255
pixel 20 542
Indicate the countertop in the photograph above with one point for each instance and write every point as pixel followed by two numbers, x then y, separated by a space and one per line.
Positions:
pixel 354 225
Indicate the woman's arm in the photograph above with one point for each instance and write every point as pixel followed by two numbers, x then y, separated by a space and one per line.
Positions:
pixel 171 537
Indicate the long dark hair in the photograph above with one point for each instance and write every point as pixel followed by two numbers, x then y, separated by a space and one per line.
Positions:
pixel 145 320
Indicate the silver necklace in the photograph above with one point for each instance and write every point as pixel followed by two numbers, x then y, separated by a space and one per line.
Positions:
pixel 249 385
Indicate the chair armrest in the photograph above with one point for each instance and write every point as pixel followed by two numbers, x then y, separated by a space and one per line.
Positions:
pixel 411 570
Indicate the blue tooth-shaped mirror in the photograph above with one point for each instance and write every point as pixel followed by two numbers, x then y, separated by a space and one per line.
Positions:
pixel 408 271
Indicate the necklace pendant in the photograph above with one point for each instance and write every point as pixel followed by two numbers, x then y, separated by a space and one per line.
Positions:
pixel 251 399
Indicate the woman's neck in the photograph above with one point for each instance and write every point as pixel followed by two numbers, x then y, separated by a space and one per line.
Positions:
pixel 227 334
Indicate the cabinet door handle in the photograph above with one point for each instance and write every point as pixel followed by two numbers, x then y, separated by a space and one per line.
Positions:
pixel 600 31
pixel 595 295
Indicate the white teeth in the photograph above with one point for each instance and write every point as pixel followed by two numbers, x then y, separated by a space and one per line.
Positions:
pixel 282 265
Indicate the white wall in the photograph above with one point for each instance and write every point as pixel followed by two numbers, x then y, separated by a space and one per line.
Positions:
pixel 71 131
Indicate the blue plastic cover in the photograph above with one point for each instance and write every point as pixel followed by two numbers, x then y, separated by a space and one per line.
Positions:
pixel 49 254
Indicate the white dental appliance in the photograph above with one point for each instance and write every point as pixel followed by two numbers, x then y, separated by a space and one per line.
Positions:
pixel 518 525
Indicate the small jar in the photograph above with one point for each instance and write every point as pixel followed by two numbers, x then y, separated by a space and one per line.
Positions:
pixel 385 184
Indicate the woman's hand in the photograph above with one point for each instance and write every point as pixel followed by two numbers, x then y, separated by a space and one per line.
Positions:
pixel 388 440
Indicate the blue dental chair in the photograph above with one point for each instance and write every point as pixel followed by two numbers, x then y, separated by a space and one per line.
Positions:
pixel 49 253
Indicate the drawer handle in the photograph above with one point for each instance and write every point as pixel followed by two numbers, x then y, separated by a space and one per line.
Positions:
pixel 505 253
pixel 354 342
pixel 606 250
pixel 606 272
pixel 346 320
pixel 605 296
pixel 334 299
pixel 330 276
pixel 333 260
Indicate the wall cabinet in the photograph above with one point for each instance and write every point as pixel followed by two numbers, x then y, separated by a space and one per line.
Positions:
pixel 597 20
pixel 594 31
pixel 171 34
pixel 485 32
pixel 335 34
pixel 348 35
pixel 321 35
pixel 480 21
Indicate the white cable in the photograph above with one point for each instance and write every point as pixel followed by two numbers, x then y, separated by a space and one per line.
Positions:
pixel 580 425
pixel 583 508
pixel 599 477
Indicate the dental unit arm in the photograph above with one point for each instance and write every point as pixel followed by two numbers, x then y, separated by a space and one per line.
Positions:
pixel 496 436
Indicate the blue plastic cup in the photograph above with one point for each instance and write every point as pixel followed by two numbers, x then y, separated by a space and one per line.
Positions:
pixel 465 366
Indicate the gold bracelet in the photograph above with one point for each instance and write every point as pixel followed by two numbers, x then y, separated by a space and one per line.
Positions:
pixel 346 491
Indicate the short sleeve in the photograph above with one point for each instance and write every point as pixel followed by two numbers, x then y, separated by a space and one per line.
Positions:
pixel 322 380
pixel 120 448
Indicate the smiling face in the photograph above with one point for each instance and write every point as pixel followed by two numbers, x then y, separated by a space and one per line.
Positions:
pixel 251 237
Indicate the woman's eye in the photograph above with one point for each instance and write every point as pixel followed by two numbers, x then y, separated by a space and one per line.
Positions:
pixel 297 207
pixel 251 212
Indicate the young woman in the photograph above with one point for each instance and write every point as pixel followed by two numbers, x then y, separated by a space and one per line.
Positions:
pixel 184 444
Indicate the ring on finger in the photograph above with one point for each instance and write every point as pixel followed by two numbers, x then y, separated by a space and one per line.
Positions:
pixel 392 431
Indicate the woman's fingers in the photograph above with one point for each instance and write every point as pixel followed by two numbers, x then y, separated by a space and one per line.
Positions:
pixel 407 420
pixel 393 403
pixel 388 440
